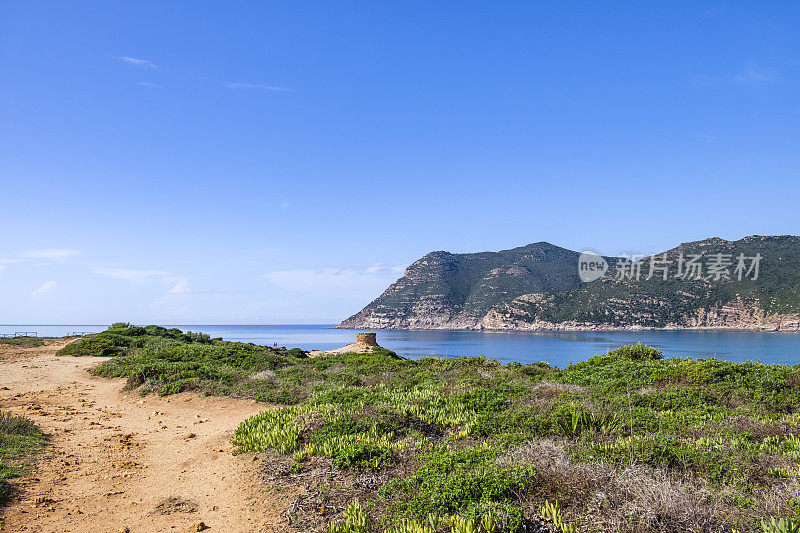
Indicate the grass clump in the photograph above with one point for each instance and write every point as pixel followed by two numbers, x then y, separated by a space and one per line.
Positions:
pixel 270 429
pixel 19 440
pixel 356 520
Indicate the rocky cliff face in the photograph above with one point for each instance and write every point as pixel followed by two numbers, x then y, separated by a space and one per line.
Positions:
pixel 454 291
pixel 536 287
pixel 736 315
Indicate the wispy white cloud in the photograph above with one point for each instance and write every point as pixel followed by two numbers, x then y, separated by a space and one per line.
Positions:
pixel 753 74
pixel 337 280
pixel 51 254
pixel 2 267
pixel 46 287
pixel 182 292
pixel 394 270
pixel 143 63
pixel 182 287
pixel 181 300
pixel 148 85
pixel 257 86
pixel 706 138
pixel 135 275
pixel 270 250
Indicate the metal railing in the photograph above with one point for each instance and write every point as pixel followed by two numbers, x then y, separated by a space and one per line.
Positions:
pixel 18 334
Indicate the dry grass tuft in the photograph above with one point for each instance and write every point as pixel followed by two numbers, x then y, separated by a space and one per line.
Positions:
pixel 773 498
pixel 264 374
pixel 637 498
pixel 559 387
pixel 544 392
pixel 175 504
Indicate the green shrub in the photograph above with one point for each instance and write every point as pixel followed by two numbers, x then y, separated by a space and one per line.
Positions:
pixel 171 361
pixel 283 395
pixel 635 352
pixel 481 400
pixel 96 346
pixel 674 398
pixel 24 342
pixel 533 370
pixel 346 396
pixel 363 456
pixel 336 427
pixel 465 481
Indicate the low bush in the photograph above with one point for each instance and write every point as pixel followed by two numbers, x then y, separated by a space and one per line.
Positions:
pixel 363 456
pixel 635 352
pixel 169 361
pixel 105 346
pixel 466 482
pixel 23 342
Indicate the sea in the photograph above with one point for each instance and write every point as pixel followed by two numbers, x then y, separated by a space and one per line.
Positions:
pixel 556 348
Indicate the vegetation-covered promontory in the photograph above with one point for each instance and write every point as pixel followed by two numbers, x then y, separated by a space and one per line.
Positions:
pixel 624 441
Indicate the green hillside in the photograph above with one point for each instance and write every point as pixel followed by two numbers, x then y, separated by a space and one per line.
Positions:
pixel 538 284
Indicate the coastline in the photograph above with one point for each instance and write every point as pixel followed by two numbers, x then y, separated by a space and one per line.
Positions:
pixel 598 327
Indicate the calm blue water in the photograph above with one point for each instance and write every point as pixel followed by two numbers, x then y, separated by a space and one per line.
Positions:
pixel 557 348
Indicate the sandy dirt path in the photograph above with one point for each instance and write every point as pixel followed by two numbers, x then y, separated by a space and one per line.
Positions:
pixel 118 461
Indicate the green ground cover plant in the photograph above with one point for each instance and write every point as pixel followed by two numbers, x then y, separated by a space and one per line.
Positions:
pixel 23 342
pixel 19 440
pixel 623 441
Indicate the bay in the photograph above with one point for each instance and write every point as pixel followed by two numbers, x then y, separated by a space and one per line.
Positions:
pixel 555 348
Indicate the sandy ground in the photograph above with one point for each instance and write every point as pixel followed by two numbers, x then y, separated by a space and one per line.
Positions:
pixel 118 461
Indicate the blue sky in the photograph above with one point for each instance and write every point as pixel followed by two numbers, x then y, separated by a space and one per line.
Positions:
pixel 281 162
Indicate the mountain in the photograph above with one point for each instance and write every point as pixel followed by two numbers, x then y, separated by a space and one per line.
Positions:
pixel 752 283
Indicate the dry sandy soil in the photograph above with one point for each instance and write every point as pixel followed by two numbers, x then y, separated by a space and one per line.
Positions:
pixel 118 461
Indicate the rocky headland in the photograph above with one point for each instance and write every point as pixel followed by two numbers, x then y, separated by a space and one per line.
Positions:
pixel 538 288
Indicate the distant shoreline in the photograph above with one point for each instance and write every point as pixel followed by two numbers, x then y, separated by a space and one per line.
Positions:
pixel 577 329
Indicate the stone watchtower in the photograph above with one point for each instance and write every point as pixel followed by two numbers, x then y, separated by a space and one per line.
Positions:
pixel 365 343
pixel 366 338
